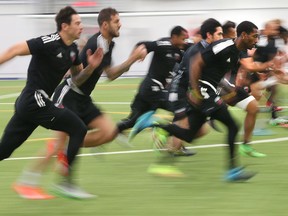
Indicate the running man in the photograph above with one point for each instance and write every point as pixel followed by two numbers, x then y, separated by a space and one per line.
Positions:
pixel 52 56
pixel 206 71
pixel 77 99
pixel 152 93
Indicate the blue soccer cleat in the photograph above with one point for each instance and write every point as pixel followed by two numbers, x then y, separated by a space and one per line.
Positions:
pixel 144 121
pixel 238 174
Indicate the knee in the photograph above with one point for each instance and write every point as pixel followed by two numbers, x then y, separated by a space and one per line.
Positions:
pixel 252 108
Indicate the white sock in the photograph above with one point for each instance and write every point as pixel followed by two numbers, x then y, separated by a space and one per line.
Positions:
pixel 29 178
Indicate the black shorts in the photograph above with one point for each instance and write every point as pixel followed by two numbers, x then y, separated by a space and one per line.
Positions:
pixel 212 101
pixel 150 97
pixel 81 105
pixel 35 107
pixel 240 95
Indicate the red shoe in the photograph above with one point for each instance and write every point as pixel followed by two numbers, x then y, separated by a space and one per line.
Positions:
pixel 275 108
pixel 31 192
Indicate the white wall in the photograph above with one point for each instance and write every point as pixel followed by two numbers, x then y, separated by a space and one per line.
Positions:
pixel 141 27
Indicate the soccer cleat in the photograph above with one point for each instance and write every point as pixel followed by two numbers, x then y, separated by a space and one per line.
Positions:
pixel 274 108
pixel 184 152
pixel 278 121
pixel 31 192
pixel 69 190
pixel 144 121
pixel 247 150
pixel 159 137
pixel 238 174
pixel 165 171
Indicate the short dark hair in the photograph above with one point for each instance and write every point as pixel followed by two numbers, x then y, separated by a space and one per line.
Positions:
pixel 105 15
pixel 209 26
pixel 245 26
pixel 227 25
pixel 64 16
pixel 177 30
pixel 282 30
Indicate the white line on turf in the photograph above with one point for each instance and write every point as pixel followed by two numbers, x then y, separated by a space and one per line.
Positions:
pixel 151 150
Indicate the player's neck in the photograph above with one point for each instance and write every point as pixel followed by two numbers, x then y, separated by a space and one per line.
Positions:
pixel 66 39
pixel 106 36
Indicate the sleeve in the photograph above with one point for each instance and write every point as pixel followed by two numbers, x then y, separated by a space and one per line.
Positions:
pixel 150 45
pixel 77 59
pixel 243 54
pixel 208 56
pixel 35 45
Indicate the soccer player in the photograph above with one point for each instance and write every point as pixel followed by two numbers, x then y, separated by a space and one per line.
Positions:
pixel 77 99
pixel 152 92
pixel 229 30
pixel 52 56
pixel 211 31
pixel 206 71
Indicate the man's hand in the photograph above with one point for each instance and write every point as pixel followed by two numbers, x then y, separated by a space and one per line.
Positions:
pixel 95 59
pixel 139 53
pixel 194 98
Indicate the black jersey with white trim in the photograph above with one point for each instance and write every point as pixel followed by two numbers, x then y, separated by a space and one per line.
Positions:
pixel 164 58
pixel 51 59
pixel 181 78
pixel 88 86
pixel 219 58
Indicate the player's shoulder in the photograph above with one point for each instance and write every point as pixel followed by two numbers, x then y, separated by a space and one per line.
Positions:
pixel 164 42
pixel 221 45
pixel 50 38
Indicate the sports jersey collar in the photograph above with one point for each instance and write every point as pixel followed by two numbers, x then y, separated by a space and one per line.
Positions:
pixel 204 43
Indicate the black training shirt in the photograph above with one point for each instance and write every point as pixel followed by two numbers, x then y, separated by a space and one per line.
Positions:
pixel 164 58
pixel 88 86
pixel 219 57
pixel 51 59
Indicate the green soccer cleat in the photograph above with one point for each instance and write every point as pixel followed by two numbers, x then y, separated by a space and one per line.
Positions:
pixel 165 171
pixel 247 150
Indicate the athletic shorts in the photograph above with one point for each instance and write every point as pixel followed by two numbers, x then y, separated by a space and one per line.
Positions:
pixel 212 101
pixel 34 106
pixel 151 96
pixel 81 105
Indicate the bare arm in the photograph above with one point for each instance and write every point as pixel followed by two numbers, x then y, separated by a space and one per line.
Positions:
pixel 195 74
pixel 139 53
pixel 19 49
pixel 80 75
pixel 250 65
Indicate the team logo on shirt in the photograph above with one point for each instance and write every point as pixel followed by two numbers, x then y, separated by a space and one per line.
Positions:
pixel 72 56
pixel 60 55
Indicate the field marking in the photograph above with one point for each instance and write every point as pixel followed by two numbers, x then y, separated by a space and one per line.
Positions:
pixel 13 95
pixel 151 150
